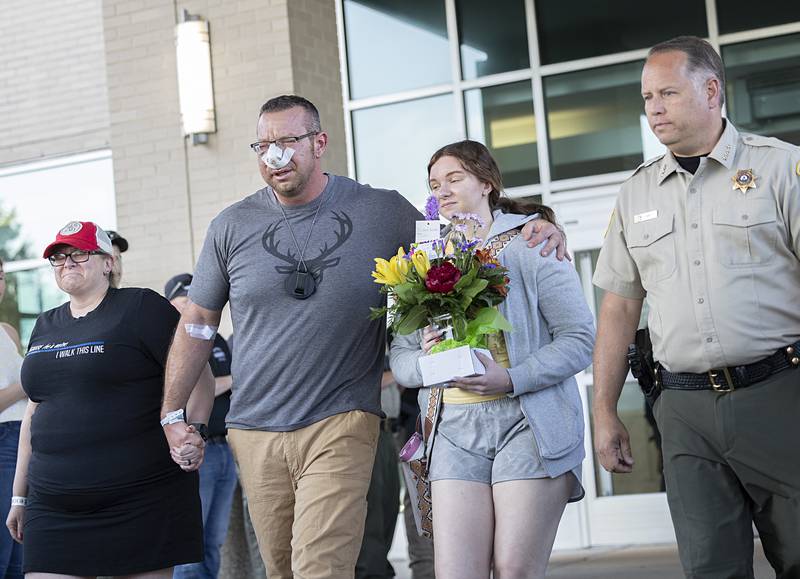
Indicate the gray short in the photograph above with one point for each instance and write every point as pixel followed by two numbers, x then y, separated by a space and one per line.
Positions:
pixel 486 442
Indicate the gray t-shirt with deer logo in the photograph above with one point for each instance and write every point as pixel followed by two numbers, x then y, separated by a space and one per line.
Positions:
pixel 296 362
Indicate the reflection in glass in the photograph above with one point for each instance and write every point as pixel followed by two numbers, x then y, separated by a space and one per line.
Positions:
pixel 763 91
pixel 394 143
pixel 395 46
pixel 491 41
pixel 572 30
pixel 738 15
pixel 501 117
pixel 29 293
pixel 593 120
pixel 633 411
pixel 645 440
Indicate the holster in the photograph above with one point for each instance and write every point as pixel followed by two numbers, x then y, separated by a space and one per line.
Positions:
pixel 643 367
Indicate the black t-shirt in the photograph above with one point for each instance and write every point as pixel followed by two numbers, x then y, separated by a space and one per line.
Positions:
pixel 220 362
pixel 99 383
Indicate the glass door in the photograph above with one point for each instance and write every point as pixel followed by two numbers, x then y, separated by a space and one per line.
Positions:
pixel 618 508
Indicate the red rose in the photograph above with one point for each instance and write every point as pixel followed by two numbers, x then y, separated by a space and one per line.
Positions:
pixel 442 278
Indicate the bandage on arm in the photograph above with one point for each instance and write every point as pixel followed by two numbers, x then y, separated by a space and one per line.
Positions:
pixel 188 355
pixel 201 331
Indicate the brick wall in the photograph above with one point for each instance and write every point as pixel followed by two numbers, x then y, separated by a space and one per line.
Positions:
pixel 52 79
pixel 316 66
pixel 168 190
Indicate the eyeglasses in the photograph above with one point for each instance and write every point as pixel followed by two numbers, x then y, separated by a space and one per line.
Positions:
pixel 77 256
pixel 261 147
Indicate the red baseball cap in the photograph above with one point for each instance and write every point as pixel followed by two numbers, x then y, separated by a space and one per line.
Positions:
pixel 81 235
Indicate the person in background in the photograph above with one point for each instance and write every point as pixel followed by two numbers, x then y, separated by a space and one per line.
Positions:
pixel 12 409
pixel 383 495
pixel 119 245
pixel 94 483
pixel 218 473
pixel 420 548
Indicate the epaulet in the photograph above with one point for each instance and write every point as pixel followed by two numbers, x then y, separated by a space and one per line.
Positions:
pixel 761 141
pixel 648 163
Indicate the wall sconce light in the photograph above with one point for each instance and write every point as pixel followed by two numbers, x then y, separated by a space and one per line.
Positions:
pixel 195 87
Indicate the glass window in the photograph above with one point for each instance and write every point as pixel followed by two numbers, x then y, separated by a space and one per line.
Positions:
pixel 491 41
pixel 647 476
pixel 595 120
pixel 29 292
pixel 633 411
pixel 395 46
pixel 36 200
pixel 393 143
pixel 738 15
pixel 502 118
pixel 763 86
pixel 568 31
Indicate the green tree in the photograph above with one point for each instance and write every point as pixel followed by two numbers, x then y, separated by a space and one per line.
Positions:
pixel 12 248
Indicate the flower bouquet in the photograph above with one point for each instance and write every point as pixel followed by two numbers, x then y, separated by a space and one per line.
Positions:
pixel 452 277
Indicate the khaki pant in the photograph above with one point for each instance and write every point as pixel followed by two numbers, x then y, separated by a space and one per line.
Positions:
pixel 306 493
pixel 731 460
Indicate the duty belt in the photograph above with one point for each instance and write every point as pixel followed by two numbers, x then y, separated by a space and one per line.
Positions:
pixel 733 377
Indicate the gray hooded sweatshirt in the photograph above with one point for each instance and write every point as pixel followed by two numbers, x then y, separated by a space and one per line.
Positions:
pixel 552 340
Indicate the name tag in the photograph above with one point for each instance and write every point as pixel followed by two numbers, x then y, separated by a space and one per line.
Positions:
pixel 645 216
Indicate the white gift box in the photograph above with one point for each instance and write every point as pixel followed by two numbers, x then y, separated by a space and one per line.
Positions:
pixel 440 368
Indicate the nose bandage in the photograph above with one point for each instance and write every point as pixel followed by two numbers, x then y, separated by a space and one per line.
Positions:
pixel 277 158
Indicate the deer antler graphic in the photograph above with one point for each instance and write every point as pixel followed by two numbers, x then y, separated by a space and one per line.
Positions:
pixel 317 265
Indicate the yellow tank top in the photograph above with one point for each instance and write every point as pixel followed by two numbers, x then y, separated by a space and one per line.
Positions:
pixel 497 346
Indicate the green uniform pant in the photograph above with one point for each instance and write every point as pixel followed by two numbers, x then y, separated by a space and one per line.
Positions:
pixel 730 460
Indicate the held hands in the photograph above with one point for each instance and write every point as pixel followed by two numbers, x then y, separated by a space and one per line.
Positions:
pixel 14 522
pixel 612 442
pixel 496 380
pixel 186 446
pixel 539 230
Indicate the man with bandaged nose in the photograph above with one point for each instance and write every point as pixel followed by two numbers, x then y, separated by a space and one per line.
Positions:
pixel 294 261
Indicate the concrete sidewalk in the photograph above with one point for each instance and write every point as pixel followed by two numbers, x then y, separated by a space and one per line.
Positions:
pixel 633 562
pixel 623 562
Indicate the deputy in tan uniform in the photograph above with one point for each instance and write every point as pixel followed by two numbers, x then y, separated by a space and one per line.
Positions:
pixel 709 233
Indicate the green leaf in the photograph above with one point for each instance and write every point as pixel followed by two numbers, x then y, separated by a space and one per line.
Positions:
pixel 488 321
pixel 466 279
pixel 475 288
pixel 405 293
pixel 375 313
pixel 412 321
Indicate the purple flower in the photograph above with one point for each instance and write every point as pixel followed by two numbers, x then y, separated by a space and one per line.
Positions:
pixel 432 209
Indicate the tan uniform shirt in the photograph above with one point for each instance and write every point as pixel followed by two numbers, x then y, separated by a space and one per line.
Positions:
pixel 718 265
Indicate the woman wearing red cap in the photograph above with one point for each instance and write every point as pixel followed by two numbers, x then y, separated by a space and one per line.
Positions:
pixel 95 491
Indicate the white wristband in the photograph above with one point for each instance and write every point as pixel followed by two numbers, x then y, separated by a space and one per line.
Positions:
pixel 19 501
pixel 173 417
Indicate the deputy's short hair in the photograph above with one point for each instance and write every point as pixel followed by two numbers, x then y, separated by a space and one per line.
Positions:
pixel 700 56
